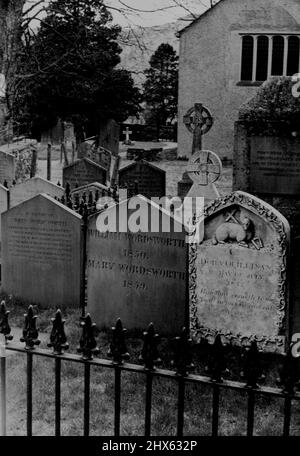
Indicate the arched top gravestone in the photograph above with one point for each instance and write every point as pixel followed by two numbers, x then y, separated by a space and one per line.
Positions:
pixel 238 274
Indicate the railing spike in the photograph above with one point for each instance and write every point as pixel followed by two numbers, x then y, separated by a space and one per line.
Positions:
pixel 149 355
pixel 118 350
pixel 4 324
pixel 183 353
pixel 217 362
pixel 30 332
pixel 58 338
pixel 88 344
pixel 252 372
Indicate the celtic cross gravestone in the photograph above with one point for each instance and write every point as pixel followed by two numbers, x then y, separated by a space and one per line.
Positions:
pixel 198 120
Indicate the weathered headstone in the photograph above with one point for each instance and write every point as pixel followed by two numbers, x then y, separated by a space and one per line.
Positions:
pixel 4 199
pixel 7 168
pixel 32 187
pixel 41 253
pixel 149 180
pixel 198 120
pixel 139 277
pixel 238 274
pixel 83 172
pixel 109 136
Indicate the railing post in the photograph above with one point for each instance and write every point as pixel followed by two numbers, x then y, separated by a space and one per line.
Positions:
pixel 3 385
pixel 183 364
pixel 118 352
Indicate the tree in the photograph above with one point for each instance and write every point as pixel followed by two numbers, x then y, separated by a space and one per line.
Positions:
pixel 68 69
pixel 161 86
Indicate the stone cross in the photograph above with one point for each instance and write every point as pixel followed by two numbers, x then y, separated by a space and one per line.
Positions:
pixel 198 120
pixel 127 132
pixel 204 168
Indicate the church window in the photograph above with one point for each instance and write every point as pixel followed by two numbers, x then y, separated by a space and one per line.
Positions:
pixel 269 55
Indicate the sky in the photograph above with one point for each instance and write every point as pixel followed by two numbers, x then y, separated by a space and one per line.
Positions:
pixel 154 12
pixel 151 17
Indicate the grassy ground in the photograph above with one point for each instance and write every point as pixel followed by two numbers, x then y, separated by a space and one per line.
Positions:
pixel 268 416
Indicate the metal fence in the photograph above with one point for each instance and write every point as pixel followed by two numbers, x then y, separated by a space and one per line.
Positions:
pixel 118 354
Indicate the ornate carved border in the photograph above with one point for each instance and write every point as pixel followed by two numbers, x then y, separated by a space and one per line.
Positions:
pixel 270 216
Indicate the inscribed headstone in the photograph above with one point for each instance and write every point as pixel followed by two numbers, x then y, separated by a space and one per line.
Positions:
pixel 83 172
pixel 238 274
pixel 148 179
pixel 139 277
pixel 41 253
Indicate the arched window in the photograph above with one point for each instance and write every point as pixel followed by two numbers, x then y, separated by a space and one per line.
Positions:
pixel 293 55
pixel 262 58
pixel 247 58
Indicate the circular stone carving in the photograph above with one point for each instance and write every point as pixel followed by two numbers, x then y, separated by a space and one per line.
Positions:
pixel 200 117
pixel 204 167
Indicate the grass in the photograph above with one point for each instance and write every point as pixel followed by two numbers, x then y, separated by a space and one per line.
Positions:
pixel 233 406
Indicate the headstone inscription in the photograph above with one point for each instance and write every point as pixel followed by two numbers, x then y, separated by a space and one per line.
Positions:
pixel 83 172
pixel 198 120
pixel 7 168
pixel 238 274
pixel 149 180
pixel 266 165
pixel 32 187
pixel 41 252
pixel 139 277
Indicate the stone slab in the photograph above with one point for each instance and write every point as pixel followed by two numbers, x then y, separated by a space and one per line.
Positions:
pixel 139 277
pixel 240 289
pixel 83 172
pixel 7 168
pixel 41 253
pixel 150 180
pixel 32 187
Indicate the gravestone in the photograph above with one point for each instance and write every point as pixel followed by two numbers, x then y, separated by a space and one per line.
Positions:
pixel 32 187
pixel 149 180
pixel 109 136
pixel 204 169
pixel 238 274
pixel 83 172
pixel 139 277
pixel 7 168
pixel 198 120
pixel 41 253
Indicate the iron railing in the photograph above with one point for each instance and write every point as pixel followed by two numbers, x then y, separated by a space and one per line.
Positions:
pixel 182 362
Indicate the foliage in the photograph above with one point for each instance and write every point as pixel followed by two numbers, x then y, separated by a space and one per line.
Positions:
pixel 274 101
pixel 161 86
pixel 68 69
